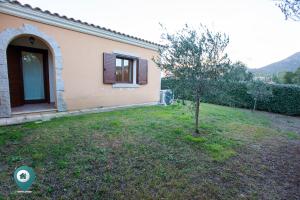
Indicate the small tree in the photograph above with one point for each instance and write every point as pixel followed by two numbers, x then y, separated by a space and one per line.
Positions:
pixel 259 92
pixel 195 58
pixel 290 8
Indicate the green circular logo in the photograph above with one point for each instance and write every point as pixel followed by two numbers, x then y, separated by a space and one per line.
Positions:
pixel 24 177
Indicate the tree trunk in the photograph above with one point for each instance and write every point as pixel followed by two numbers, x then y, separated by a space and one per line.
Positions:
pixel 254 107
pixel 197 114
pixel 183 102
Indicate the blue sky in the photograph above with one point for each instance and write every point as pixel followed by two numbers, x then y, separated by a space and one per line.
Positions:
pixel 259 34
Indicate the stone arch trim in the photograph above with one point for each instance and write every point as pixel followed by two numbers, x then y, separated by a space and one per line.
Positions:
pixel 6 37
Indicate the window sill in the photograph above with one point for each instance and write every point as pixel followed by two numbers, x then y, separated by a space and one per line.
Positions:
pixel 125 85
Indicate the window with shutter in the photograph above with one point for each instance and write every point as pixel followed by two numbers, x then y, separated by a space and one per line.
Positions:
pixel 109 68
pixel 122 70
pixel 142 72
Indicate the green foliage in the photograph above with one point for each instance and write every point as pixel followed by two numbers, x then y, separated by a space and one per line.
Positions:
pixel 292 77
pixel 259 91
pixel 278 78
pixel 196 54
pixel 194 57
pixel 285 98
pixel 288 77
pixel 297 77
pixel 238 71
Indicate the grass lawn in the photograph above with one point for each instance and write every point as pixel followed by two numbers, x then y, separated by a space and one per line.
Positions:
pixel 151 153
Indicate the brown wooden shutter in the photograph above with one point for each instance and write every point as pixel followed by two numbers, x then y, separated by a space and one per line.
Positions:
pixel 142 72
pixel 109 68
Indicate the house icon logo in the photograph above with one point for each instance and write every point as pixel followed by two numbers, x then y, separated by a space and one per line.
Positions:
pixel 24 177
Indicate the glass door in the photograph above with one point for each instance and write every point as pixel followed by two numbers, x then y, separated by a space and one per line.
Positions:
pixel 33 76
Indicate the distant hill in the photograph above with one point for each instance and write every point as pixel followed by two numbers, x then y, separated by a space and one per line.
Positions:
pixel 290 64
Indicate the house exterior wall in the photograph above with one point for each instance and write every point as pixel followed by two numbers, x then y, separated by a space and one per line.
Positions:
pixel 82 62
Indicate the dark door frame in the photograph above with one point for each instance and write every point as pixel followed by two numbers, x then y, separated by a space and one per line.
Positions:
pixel 44 52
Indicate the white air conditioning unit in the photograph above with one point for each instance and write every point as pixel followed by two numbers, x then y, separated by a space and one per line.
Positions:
pixel 166 97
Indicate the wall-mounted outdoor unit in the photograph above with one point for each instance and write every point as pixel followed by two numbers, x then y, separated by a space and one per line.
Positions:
pixel 166 97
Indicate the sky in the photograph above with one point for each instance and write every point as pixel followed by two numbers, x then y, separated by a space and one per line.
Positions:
pixel 258 32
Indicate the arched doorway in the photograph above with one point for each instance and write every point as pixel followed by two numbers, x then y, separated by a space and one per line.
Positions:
pixel 30 34
pixel 30 74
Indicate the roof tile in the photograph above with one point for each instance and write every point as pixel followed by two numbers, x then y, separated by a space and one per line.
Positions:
pixel 78 21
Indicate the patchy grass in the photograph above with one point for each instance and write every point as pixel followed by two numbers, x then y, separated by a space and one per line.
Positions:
pixel 152 153
pixel 219 148
pixel 15 135
pixel 292 135
pixel 219 152
pixel 195 139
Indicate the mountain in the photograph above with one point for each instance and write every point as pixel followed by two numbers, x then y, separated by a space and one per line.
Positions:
pixel 290 64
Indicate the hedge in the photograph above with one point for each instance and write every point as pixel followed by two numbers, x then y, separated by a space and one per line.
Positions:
pixel 285 99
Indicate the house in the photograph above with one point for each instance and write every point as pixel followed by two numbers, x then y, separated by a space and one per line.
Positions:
pixel 50 61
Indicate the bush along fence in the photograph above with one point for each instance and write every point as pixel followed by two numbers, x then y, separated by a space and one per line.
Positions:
pixel 285 98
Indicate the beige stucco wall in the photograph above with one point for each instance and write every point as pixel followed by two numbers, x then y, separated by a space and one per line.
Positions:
pixel 83 67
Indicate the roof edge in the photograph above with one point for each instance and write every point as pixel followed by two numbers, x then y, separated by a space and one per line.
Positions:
pixel 36 14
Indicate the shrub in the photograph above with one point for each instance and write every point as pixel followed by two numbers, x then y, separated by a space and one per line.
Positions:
pixel 285 98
